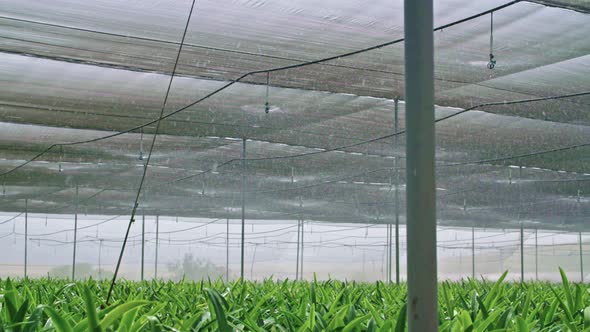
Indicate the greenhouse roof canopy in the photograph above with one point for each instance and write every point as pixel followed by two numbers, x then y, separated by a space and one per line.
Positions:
pixel 320 135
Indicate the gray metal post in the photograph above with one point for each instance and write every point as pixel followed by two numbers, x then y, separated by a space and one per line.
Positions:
pixel 302 246
pixel 521 225
pixel 298 227
pixel 297 258
pixel 227 250
pixel 581 258
pixel 298 239
pixel 253 260
pixel 26 233
pixel 157 245
pixel 99 258
pixel 243 197
pixel 388 252
pixel 536 256
pixel 473 252
pixel 521 253
pixel 142 246
pixel 397 178
pixel 75 234
pixel 420 178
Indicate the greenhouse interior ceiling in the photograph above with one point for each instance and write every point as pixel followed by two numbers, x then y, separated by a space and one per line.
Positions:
pixel 296 113
pixel 294 165
pixel 75 71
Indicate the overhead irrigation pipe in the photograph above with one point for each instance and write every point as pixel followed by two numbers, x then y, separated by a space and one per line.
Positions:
pixel 147 162
pixel 264 71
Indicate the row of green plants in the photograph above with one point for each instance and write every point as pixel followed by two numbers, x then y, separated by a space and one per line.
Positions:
pixel 213 305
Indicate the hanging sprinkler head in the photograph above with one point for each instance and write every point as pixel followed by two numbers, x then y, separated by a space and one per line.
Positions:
pixel 141 145
pixel 266 105
pixel 59 166
pixel 492 62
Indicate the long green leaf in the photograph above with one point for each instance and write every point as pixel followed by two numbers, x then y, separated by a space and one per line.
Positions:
pixel 59 322
pixel 217 305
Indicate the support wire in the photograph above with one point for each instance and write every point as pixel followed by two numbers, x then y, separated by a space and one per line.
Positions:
pixel 158 122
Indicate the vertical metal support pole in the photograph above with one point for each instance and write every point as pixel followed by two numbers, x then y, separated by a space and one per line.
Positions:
pixel 521 225
pixel 302 246
pixel 388 253
pixel 581 258
pixel 99 259
pixel 157 245
pixel 298 227
pixel 521 253
pixel 473 252
pixel 298 247
pixel 26 234
pixel 536 255
pixel 227 250
pixel 75 234
pixel 253 260
pixel 397 178
pixel 142 246
pixel 243 196
pixel 420 176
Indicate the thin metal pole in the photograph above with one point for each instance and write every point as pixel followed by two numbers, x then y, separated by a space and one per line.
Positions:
pixel 521 253
pixel 99 259
pixel 243 196
pixel 536 255
pixel 521 225
pixel 26 233
pixel 227 250
pixel 253 260
pixel 420 177
pixel 473 252
pixel 397 178
pixel 75 235
pixel 302 246
pixel 298 227
pixel 581 258
pixel 142 246
pixel 388 231
pixel 157 245
pixel 298 247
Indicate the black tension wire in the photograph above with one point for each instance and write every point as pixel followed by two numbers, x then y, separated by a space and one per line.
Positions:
pixel 240 78
pixel 149 156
